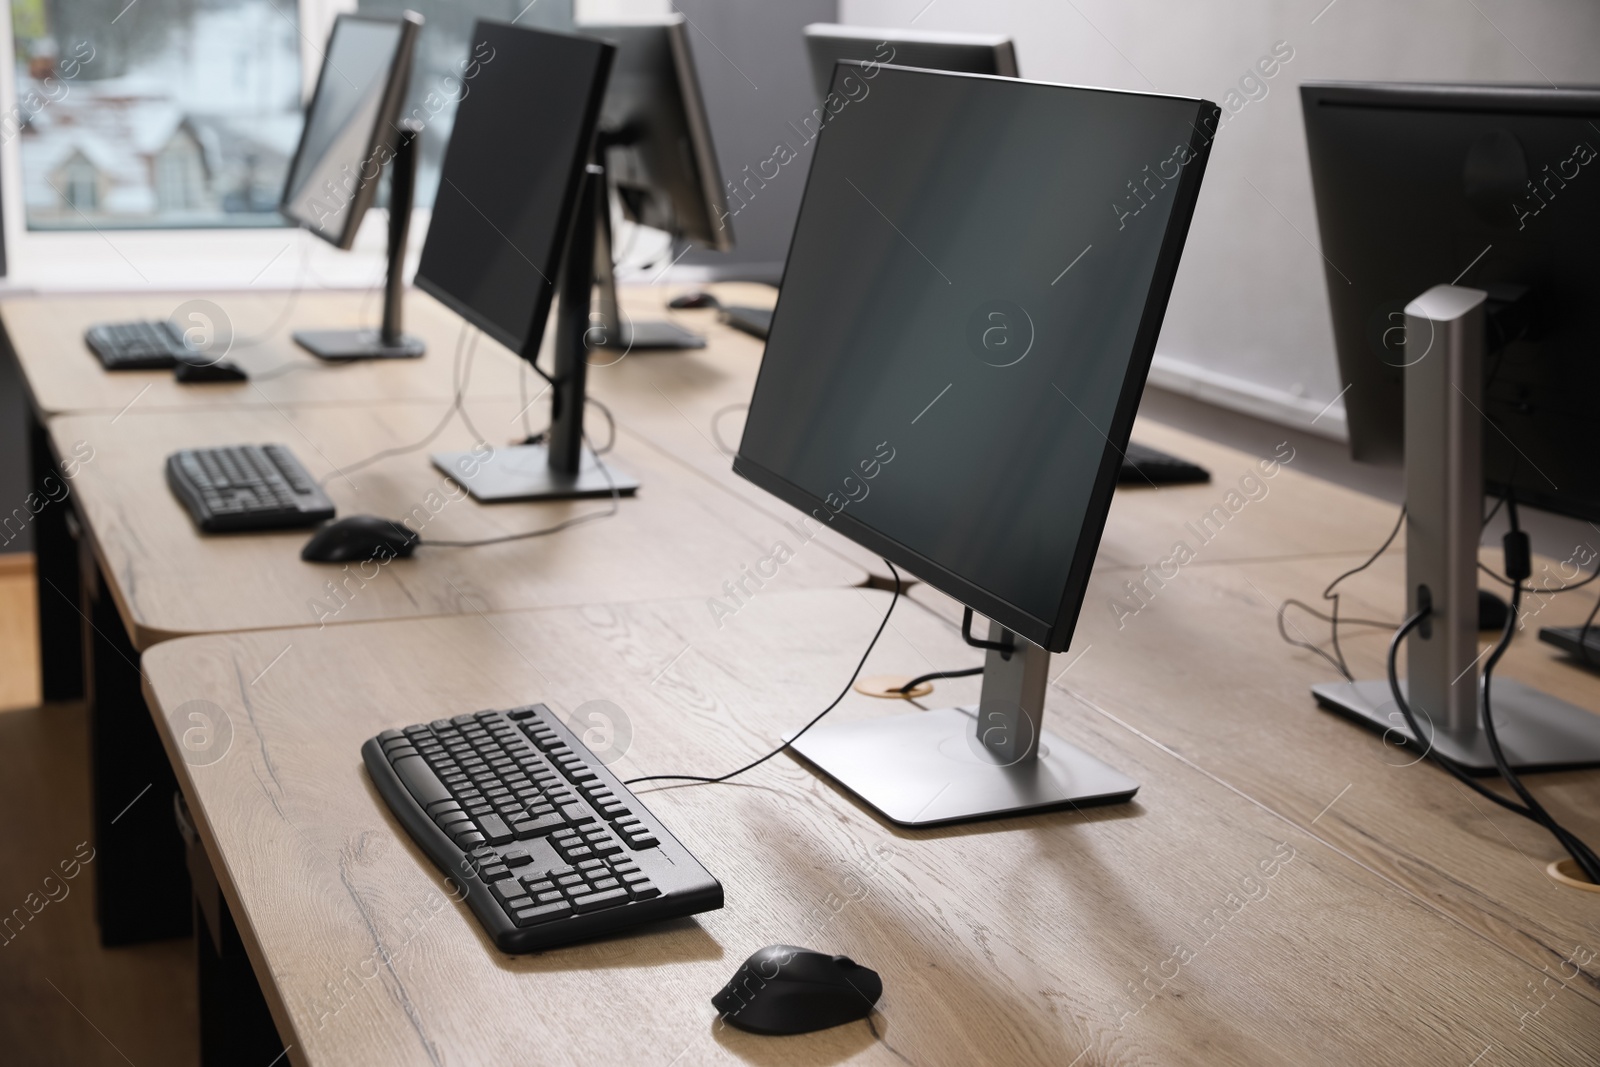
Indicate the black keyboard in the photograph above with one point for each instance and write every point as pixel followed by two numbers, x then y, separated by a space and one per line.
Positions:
pixel 246 487
pixel 137 345
pixel 1143 465
pixel 1566 638
pixel 550 847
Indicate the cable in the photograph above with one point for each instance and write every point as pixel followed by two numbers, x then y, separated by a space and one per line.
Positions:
pixel 458 380
pixel 1583 634
pixel 716 420
pixel 565 524
pixel 1337 658
pixel 934 675
pixel 288 307
pixel 818 718
pixel 611 423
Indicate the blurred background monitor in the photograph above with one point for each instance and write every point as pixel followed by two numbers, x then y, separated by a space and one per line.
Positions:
pixel 970 53
pixel 350 128
pixel 1493 187
pixel 655 136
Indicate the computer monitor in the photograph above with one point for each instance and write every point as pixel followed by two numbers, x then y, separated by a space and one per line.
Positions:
pixel 940 388
pixel 970 53
pixel 655 143
pixel 1484 190
pixel 514 221
pixel 351 134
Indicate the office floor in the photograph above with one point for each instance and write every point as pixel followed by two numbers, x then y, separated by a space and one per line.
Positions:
pixel 63 998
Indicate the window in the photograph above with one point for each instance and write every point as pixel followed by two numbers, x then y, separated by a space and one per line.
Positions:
pixel 442 49
pixel 155 113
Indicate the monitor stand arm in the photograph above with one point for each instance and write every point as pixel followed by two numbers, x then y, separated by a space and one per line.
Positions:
pixel 615 330
pixel 390 341
pixel 562 466
pixel 1446 330
pixel 961 764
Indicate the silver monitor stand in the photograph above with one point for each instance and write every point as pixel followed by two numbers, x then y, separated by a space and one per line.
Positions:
pixel 961 764
pixel 1444 351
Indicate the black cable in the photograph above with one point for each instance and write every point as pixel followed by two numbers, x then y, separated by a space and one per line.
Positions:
pixel 935 675
pixel 611 423
pixel 1337 659
pixel 1518 568
pixel 818 718
pixel 1583 634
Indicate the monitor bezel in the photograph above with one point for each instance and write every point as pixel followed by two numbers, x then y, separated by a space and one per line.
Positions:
pixel 527 346
pixel 1000 46
pixel 385 132
pixel 1053 634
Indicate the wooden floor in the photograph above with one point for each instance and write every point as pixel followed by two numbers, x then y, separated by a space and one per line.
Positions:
pixel 63 998
pixel 19 633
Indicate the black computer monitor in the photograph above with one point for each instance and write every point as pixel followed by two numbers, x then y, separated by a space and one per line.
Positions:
pixel 966 321
pixel 351 134
pixel 1481 190
pixel 659 158
pixel 1481 186
pixel 970 53
pixel 514 222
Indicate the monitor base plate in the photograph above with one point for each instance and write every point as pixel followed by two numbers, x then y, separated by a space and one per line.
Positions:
pixel 342 346
pixel 522 472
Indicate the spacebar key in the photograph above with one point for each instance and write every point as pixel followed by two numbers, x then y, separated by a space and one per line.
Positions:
pixel 420 780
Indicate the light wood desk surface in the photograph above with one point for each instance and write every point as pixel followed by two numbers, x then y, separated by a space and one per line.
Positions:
pixel 1016 941
pixel 681 536
pixel 46 333
pixel 1199 667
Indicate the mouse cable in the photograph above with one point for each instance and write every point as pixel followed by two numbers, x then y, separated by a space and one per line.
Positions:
pixel 459 378
pixel 816 719
pixel 933 676
pixel 716 423
pixel 565 524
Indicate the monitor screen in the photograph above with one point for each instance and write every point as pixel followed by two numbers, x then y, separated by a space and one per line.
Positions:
pixel 522 139
pixel 348 125
pixel 660 157
pixel 968 314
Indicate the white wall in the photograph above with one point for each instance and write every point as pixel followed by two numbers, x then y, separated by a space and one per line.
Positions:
pixel 1248 324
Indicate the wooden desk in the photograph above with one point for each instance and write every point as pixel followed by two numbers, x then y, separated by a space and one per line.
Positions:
pixel 681 536
pixel 63 376
pixel 1016 941
pixel 1201 669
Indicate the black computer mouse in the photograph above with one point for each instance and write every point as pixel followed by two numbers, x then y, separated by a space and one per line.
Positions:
pixel 358 539
pixel 221 371
pixel 787 990
pixel 693 301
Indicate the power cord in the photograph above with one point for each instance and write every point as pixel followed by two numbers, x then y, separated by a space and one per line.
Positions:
pixel 1517 557
pixel 816 719
pixel 936 675
pixel 716 423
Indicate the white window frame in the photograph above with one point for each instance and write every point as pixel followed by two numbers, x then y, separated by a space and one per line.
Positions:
pixel 185 259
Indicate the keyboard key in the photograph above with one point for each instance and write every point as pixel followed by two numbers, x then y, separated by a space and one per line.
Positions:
pixel 420 780
pixel 599 901
pixel 542 914
pixel 495 829
pixel 643 891
pixel 517 857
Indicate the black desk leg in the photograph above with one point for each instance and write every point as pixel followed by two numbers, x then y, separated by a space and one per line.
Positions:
pixel 55 555
pixel 141 886
pixel 235 1025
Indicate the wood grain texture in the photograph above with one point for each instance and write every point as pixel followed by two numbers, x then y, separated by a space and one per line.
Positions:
pixel 63 376
pixel 681 535
pixel 1199 667
pixel 1016 941
pixel 19 632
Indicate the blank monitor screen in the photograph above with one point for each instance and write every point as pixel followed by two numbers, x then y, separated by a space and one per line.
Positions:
pixel 966 321
pixel 972 53
pixel 350 120
pixel 510 180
